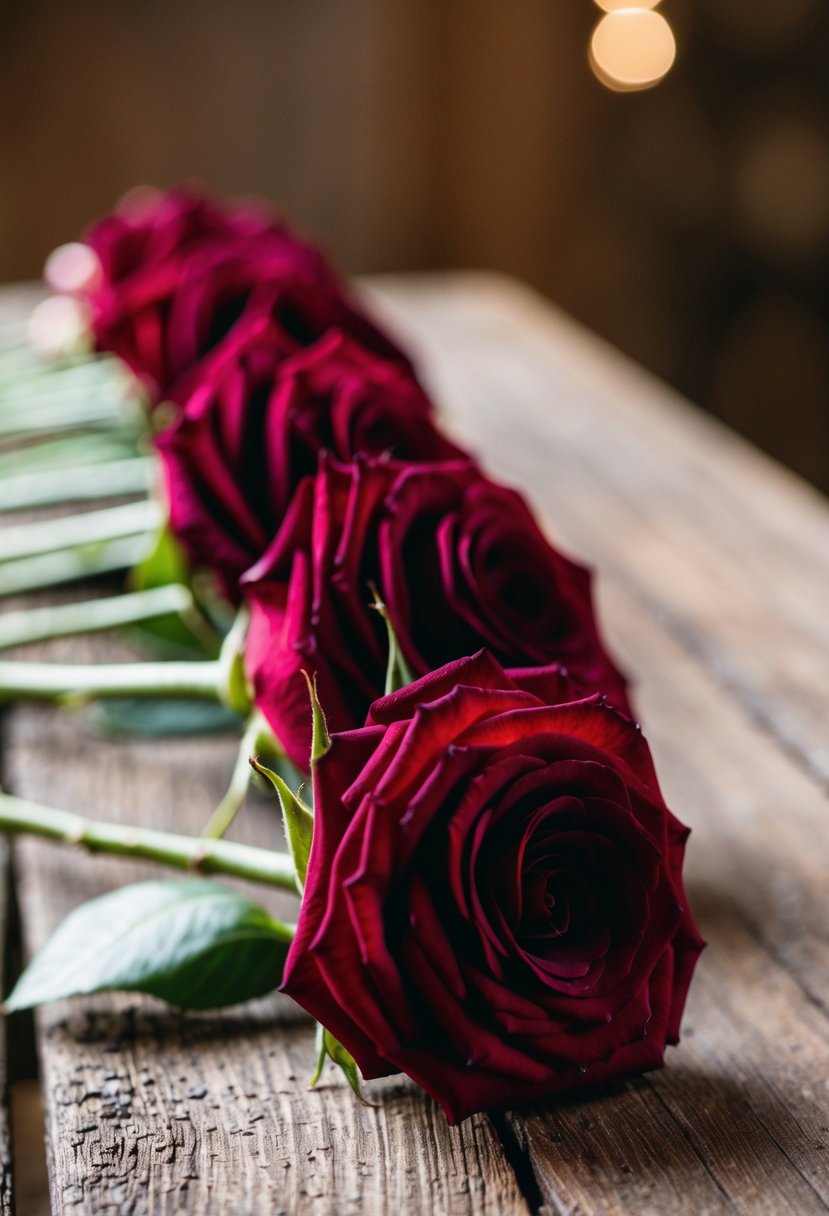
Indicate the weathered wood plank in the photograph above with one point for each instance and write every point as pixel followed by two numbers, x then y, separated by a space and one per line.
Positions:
pixel 721 541
pixel 6 1168
pixel 150 1111
pixel 712 564
pixel 714 567
pixel 739 1121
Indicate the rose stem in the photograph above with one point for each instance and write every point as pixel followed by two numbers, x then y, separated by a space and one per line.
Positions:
pixel 66 683
pixel 52 569
pixel 196 854
pixel 67 451
pixel 22 363
pixel 72 531
pixel 257 738
pixel 56 418
pixel 109 479
pixel 37 384
pixel 93 616
pixel 220 680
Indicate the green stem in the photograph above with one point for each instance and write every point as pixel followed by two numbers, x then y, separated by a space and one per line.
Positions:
pixel 257 737
pixel 109 479
pixel 45 455
pixel 40 382
pixel 72 531
pixel 52 569
pixel 221 680
pixel 70 683
pixel 194 854
pixel 55 417
pixel 93 616
pixel 22 366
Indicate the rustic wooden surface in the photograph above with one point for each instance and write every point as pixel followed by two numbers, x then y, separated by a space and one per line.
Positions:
pixel 6 1190
pixel 714 574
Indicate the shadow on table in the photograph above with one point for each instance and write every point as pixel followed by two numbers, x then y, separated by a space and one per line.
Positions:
pixel 119 1022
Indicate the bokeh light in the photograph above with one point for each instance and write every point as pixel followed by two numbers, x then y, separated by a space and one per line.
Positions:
pixel 611 6
pixel 631 49
pixel 72 268
pixel 58 327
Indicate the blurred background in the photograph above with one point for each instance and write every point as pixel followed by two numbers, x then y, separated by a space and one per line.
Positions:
pixel 688 222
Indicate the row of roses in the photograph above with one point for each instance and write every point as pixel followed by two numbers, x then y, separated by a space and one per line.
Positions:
pixel 493 902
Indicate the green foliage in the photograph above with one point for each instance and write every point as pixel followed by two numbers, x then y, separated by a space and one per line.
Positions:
pixel 173 634
pixel 190 941
pixel 297 817
pixel 398 672
pixel 329 1048
pixel 143 718
pixel 320 741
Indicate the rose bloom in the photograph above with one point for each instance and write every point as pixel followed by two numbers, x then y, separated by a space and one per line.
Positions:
pixel 460 563
pixel 255 427
pixel 178 271
pixel 494 900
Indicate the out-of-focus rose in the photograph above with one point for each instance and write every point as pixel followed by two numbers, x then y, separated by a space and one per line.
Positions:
pixel 255 427
pixel 460 563
pixel 494 902
pixel 177 272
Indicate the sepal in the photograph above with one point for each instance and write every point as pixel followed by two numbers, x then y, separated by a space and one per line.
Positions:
pixel 329 1048
pixel 398 671
pixel 320 740
pixel 297 817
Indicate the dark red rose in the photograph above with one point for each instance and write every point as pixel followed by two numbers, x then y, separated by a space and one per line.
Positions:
pixel 256 425
pixel 494 902
pixel 178 272
pixel 459 561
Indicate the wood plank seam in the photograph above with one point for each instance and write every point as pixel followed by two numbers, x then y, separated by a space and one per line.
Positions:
pixel 732 1081
pixel 520 1160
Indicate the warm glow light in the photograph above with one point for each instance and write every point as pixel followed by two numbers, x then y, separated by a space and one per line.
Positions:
pixel 58 327
pixel 72 268
pixel 632 48
pixel 610 6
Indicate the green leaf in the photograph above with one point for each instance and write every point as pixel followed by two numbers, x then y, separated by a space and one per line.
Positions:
pixel 320 741
pixel 125 717
pixel 190 941
pixel 235 690
pixel 329 1048
pixel 398 671
pixel 165 564
pixel 297 817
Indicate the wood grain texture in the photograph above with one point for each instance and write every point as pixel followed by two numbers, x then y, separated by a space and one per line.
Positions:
pixel 152 1111
pixel 714 568
pixel 6 1165
pixel 720 541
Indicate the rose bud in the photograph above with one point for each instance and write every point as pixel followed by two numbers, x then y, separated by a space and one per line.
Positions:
pixel 255 427
pixel 460 563
pixel 178 271
pixel 494 901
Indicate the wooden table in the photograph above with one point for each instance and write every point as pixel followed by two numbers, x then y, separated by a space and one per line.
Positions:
pixel 714 589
